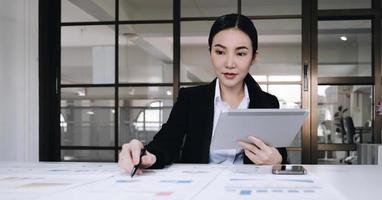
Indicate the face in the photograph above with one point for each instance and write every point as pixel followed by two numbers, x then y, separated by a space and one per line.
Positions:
pixel 231 57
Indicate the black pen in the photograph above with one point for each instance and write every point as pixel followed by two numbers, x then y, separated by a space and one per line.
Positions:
pixel 143 152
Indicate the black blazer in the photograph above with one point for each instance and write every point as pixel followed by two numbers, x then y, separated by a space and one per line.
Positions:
pixel 186 137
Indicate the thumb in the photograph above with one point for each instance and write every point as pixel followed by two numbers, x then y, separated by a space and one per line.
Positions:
pixel 148 160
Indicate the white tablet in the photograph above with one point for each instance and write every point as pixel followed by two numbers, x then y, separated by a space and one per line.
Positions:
pixel 276 127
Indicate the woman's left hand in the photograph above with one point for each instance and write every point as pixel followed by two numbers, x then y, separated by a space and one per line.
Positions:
pixel 260 153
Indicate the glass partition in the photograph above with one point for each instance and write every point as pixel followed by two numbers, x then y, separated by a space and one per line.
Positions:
pixel 142 111
pixel 146 53
pixel 345 114
pixel 87 10
pixel 343 4
pixel 145 10
pixel 271 7
pixel 87 117
pixel 87 54
pixel 344 48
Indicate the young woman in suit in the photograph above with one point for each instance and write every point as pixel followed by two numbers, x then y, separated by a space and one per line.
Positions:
pixel 186 136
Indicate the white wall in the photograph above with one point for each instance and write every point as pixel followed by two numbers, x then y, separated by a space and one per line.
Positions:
pixel 19 80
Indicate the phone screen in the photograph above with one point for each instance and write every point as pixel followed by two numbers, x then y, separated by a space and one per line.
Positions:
pixel 288 169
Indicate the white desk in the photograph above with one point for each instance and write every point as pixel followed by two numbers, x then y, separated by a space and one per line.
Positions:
pixel 106 181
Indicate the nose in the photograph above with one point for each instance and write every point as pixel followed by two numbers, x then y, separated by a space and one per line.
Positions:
pixel 230 62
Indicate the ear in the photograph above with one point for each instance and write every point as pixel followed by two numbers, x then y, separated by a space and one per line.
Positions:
pixel 254 57
pixel 210 55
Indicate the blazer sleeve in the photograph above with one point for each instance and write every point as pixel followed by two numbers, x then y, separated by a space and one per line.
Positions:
pixel 273 103
pixel 167 142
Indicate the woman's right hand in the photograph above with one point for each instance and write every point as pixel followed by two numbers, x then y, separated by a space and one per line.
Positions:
pixel 129 156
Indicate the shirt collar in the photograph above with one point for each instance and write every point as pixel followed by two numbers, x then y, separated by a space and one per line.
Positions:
pixel 218 95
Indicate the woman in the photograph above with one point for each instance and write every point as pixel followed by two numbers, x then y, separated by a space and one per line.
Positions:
pixel 186 137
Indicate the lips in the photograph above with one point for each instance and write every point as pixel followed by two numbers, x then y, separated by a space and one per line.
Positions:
pixel 229 76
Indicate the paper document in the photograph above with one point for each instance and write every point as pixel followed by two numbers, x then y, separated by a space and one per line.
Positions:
pixel 77 181
pixel 250 182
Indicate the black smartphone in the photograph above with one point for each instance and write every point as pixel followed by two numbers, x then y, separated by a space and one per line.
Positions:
pixel 288 169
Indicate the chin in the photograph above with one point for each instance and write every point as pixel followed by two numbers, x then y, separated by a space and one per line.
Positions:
pixel 229 83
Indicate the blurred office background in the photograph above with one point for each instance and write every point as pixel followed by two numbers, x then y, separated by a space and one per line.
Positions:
pixel 110 71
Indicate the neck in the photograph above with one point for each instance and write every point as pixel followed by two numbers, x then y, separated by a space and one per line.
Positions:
pixel 232 95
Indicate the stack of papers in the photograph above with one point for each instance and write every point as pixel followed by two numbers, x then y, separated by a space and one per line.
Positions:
pixel 181 181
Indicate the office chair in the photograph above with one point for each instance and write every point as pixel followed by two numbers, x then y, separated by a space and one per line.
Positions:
pixel 353 135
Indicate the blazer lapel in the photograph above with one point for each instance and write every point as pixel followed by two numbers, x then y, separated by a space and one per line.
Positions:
pixel 209 117
pixel 254 92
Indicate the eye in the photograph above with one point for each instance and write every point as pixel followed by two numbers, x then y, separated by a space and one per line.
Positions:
pixel 241 53
pixel 219 52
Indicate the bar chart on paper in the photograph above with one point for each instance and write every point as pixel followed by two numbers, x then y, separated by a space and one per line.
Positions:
pixel 106 181
pixel 250 182
pixel 34 181
pixel 177 182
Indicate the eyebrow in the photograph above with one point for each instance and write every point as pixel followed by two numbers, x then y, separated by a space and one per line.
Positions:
pixel 237 48
pixel 219 45
pixel 242 47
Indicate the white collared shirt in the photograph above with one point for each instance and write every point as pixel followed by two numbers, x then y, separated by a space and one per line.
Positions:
pixel 226 156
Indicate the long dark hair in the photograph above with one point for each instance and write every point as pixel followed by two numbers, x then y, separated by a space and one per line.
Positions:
pixel 239 21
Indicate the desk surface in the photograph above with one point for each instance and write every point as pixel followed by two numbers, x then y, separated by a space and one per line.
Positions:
pixel 105 180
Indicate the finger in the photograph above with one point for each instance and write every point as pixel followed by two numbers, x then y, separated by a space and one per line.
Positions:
pixel 136 153
pixel 126 155
pixel 253 157
pixel 139 172
pixel 249 142
pixel 258 143
pixel 249 147
pixel 147 161
pixel 124 158
pixel 262 156
pixel 126 152
pixel 136 143
pixel 125 162
pixel 268 158
pixel 120 162
pixel 277 156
